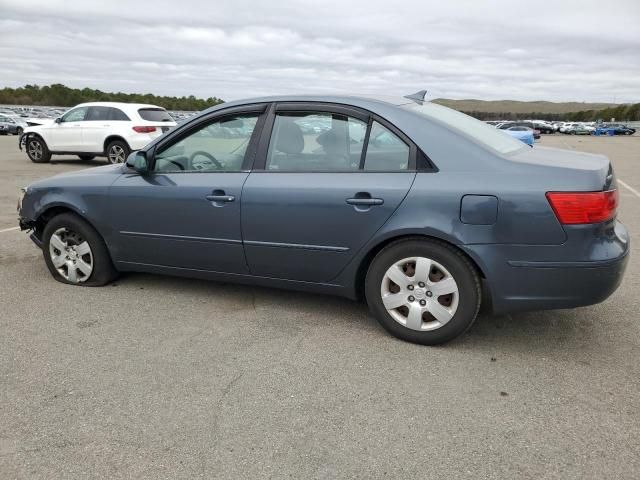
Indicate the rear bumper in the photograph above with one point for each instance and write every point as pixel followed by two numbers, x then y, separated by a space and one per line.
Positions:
pixel 541 284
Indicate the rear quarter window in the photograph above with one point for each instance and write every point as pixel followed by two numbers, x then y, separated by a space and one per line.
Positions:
pixel 117 115
pixel 155 115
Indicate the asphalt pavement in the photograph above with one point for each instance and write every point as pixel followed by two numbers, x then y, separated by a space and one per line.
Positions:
pixel 159 377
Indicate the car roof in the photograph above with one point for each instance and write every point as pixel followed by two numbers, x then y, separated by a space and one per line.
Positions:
pixel 122 105
pixel 363 101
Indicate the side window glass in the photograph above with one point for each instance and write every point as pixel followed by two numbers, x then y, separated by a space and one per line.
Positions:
pixel 97 114
pixel 217 146
pixel 117 114
pixel 75 115
pixel 315 141
pixel 385 150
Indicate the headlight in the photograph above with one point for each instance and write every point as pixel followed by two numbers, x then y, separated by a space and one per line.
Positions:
pixel 23 192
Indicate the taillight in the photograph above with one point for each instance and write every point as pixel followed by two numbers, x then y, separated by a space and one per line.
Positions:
pixel 144 129
pixel 573 208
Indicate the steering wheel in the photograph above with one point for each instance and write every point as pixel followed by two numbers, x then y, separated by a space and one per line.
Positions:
pixel 177 164
pixel 206 163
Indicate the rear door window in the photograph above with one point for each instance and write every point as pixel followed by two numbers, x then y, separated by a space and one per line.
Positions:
pixel 155 115
pixel 315 141
pixel 97 114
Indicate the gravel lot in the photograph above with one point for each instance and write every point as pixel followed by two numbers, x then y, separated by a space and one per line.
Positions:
pixel 160 377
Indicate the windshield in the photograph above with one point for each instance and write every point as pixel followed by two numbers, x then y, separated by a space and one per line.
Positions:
pixel 479 131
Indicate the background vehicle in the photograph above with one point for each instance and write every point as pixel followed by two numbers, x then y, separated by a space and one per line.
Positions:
pixel 529 125
pixel 96 129
pixel 543 127
pixel 402 213
pixel 524 134
pixel 577 129
pixel 616 128
pixel 12 125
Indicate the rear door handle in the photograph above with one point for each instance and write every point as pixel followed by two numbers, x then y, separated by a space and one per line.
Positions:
pixel 365 201
pixel 220 198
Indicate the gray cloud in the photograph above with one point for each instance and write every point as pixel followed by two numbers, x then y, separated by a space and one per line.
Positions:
pixel 578 50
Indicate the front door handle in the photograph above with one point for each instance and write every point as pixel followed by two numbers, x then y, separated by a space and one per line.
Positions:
pixel 220 198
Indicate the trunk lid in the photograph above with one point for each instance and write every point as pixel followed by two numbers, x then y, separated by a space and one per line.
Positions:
pixel 569 170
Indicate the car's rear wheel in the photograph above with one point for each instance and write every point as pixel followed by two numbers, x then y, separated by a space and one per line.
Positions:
pixel 75 253
pixel 37 150
pixel 423 291
pixel 117 151
pixel 86 158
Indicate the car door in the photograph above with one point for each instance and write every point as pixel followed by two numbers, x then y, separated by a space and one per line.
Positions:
pixel 65 135
pixel 185 213
pixel 326 179
pixel 96 127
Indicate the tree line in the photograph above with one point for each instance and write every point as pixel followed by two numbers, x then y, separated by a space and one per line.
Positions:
pixel 58 95
pixel 622 113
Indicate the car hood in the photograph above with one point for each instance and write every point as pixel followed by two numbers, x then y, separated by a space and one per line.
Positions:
pixel 37 128
pixel 95 176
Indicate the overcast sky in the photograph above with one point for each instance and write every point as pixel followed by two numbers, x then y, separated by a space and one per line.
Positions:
pixel 573 50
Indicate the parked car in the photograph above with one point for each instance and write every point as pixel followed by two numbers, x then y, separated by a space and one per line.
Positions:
pixel 617 129
pixel 566 125
pixel 99 129
pixel 524 134
pixel 419 209
pixel 577 129
pixel 509 126
pixel 543 127
pixel 12 125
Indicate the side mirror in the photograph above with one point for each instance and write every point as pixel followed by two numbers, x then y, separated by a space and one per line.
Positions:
pixel 58 120
pixel 138 161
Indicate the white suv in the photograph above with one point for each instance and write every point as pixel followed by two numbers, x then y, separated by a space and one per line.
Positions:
pixel 89 130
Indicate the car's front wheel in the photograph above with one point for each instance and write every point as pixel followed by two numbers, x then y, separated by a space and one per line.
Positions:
pixel 423 291
pixel 75 253
pixel 117 151
pixel 37 150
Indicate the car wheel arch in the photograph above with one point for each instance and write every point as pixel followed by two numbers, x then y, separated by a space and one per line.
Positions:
pixel 113 138
pixel 37 135
pixel 53 210
pixel 365 262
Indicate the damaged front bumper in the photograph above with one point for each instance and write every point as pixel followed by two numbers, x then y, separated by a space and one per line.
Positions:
pixel 26 224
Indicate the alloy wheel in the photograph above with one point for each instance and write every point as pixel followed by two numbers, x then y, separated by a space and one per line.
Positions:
pixel 35 149
pixel 419 293
pixel 116 154
pixel 71 255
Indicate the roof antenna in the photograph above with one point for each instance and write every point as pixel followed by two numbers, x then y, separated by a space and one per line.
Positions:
pixel 418 96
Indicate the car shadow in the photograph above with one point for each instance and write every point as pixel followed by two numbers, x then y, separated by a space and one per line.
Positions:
pixel 96 162
pixel 541 332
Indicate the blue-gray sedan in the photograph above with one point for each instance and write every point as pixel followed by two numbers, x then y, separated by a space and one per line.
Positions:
pixel 421 210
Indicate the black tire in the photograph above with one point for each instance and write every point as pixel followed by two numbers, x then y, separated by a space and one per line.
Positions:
pixel 19 131
pixel 459 267
pixel 86 158
pixel 103 270
pixel 37 150
pixel 118 147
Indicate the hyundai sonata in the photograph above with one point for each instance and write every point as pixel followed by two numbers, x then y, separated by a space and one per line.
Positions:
pixel 419 209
